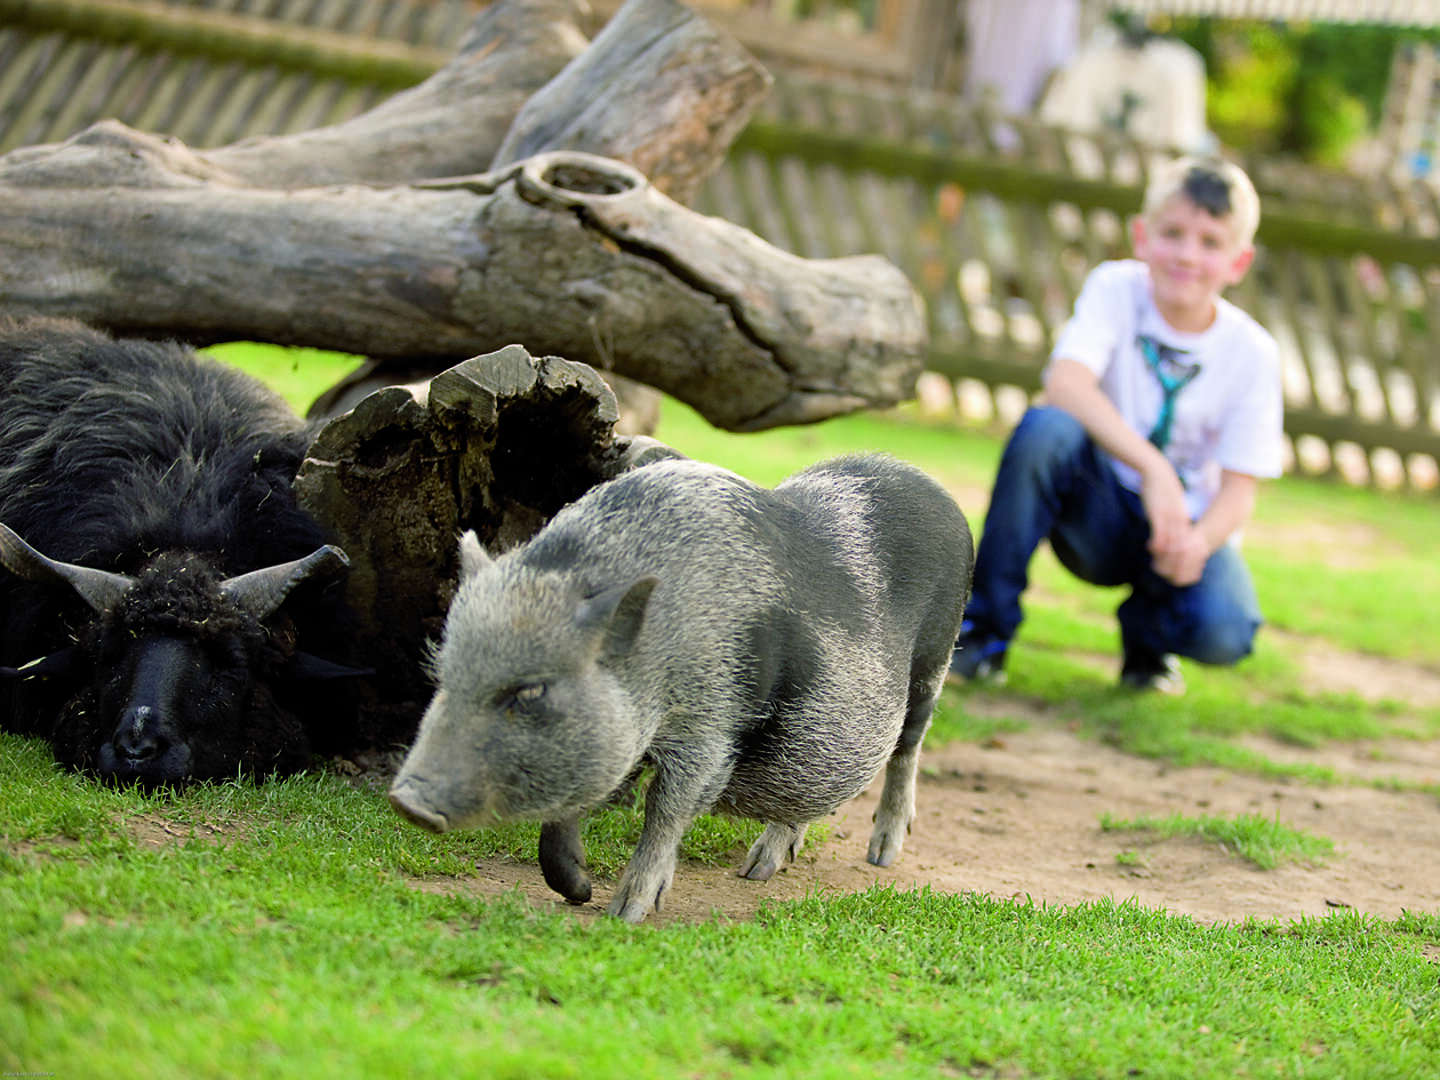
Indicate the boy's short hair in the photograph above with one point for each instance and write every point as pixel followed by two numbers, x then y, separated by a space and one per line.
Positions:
pixel 1217 186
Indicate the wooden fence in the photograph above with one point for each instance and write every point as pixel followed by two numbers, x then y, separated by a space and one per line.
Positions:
pixel 995 219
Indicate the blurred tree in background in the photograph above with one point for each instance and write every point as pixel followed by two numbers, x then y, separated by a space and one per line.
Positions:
pixel 1309 89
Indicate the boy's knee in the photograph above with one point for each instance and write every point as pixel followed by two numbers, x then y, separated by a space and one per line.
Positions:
pixel 1225 641
pixel 1045 434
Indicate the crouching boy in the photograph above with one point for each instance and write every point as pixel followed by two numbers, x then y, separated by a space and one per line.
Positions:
pixel 1163 412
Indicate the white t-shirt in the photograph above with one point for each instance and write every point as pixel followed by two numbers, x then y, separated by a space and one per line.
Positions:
pixel 1227 408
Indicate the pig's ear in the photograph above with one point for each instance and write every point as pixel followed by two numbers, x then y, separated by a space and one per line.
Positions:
pixel 616 615
pixel 473 557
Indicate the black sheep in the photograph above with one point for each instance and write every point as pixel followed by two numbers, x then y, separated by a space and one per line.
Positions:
pixel 169 602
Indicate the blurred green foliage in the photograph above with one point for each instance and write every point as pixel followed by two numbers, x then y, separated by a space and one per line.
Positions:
pixel 1310 89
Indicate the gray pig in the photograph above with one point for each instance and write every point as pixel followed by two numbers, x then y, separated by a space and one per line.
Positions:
pixel 765 651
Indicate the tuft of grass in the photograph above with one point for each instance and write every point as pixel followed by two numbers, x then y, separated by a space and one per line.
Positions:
pixel 1266 842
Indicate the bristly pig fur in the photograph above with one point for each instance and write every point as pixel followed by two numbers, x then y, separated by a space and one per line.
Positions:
pixel 765 651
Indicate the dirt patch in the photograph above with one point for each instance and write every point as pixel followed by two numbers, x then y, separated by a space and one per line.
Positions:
pixel 152 831
pixel 1019 818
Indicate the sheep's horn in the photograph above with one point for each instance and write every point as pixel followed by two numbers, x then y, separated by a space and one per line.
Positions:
pixel 98 588
pixel 260 592
pixel 64 662
pixel 305 666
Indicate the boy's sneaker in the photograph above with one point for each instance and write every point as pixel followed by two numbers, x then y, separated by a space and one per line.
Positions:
pixel 1153 671
pixel 979 656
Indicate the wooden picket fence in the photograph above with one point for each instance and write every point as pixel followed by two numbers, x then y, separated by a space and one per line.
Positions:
pixel 996 219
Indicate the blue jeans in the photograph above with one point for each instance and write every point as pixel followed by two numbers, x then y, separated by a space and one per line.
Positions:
pixel 1055 484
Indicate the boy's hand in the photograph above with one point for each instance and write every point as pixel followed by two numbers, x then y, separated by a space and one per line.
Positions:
pixel 1185 562
pixel 1178 549
pixel 1163 497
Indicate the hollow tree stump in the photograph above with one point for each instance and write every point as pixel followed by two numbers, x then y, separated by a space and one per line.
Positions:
pixel 497 444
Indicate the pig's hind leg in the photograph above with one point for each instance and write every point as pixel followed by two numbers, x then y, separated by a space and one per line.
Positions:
pixel 897 798
pixel 777 845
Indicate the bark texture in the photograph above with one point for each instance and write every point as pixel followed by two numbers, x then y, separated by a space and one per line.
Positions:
pixel 497 444
pixel 359 237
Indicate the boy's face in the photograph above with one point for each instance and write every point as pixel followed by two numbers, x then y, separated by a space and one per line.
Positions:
pixel 1192 256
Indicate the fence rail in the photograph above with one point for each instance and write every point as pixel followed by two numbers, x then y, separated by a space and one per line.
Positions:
pixel 996 219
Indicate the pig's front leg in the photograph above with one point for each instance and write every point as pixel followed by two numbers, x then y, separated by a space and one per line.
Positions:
pixel 562 859
pixel 677 794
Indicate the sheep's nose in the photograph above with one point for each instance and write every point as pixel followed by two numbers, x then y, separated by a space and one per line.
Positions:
pixel 138 737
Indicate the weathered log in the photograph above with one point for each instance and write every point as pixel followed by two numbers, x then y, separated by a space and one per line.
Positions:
pixel 570 254
pixel 449 125
pixel 579 257
pixel 659 89
pixel 496 444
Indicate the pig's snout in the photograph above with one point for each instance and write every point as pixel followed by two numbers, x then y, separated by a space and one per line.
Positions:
pixel 405 799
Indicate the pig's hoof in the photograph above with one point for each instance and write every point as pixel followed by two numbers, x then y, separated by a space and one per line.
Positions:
pixel 777 845
pixel 562 860
pixel 884 847
pixel 892 824
pixel 631 913
pixel 638 894
pixel 758 871
pixel 632 909
pixel 575 888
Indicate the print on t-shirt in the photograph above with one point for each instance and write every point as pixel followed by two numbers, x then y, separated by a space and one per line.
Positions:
pixel 1174 374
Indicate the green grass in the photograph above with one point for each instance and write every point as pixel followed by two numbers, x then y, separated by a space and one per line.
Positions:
pixel 298 375
pixel 298 927
pixel 277 930
pixel 1266 842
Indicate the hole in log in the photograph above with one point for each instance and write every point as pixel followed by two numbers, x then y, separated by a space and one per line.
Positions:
pixel 587 181
pixel 545 451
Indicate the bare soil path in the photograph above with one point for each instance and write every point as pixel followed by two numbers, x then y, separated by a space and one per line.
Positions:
pixel 1020 818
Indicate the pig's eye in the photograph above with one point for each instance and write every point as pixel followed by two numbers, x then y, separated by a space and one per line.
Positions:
pixel 521 695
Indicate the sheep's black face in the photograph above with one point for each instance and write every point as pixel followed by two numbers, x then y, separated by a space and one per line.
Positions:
pixel 177 671
pixel 176 708
pixel 180 688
